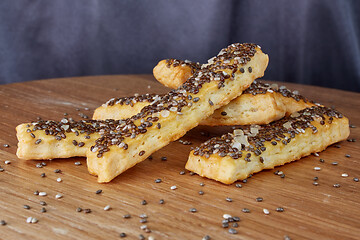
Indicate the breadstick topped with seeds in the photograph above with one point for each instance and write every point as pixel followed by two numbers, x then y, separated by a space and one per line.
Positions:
pixel 170 117
pixel 59 139
pixel 234 156
pixel 261 103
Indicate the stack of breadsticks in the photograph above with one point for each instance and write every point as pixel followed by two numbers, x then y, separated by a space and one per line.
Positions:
pixel 278 126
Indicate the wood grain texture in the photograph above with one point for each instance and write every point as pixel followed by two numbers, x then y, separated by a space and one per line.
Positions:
pixel 311 212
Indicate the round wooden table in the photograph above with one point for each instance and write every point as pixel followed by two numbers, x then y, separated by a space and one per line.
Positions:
pixel 310 212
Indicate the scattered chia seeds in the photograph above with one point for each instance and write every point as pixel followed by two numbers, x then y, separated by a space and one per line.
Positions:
pixel 1 169
pixel 43 175
pixel 127 216
pixel 59 180
pixel 158 180
pixel 26 207
pixel 238 185
pixel 287 237
pixel 163 158
pixel 87 210
pixel 122 235
pixel 207 237
pixel 77 163
pixel 201 192
pixel 315 183
pixel 347 155
pixel 162 201
pixel 57 171
pixel 2 222
pixel 356 179
pixel 143 202
pixel 79 209
pixel 42 203
pixel 322 160
pixel 335 163
pixel 229 199
pixel 39 165
pixel 98 191
pixel 336 185
pixel 225 225
pixel 235 225
pixel 259 199
pixel 43 210
pixel 182 173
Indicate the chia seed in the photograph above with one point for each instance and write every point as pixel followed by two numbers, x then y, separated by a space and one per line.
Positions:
pixel 279 209
pixel 245 210
pixel 98 191
pixel 232 231
pixel 193 210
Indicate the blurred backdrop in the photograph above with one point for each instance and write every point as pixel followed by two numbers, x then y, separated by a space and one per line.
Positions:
pixel 309 41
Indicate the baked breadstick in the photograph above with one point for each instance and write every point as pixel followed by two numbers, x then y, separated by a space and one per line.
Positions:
pixel 236 155
pixel 169 118
pixel 261 103
pixel 64 139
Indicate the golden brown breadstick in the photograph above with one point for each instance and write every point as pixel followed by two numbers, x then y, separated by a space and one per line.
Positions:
pixel 236 155
pixel 261 103
pixel 63 139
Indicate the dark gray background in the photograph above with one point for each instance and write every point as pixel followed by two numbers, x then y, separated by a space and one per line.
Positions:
pixel 309 41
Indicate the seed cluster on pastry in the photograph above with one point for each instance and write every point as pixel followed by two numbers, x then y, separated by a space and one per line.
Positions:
pixel 251 138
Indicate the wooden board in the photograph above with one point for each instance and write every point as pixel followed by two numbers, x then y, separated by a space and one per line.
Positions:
pixel 311 212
